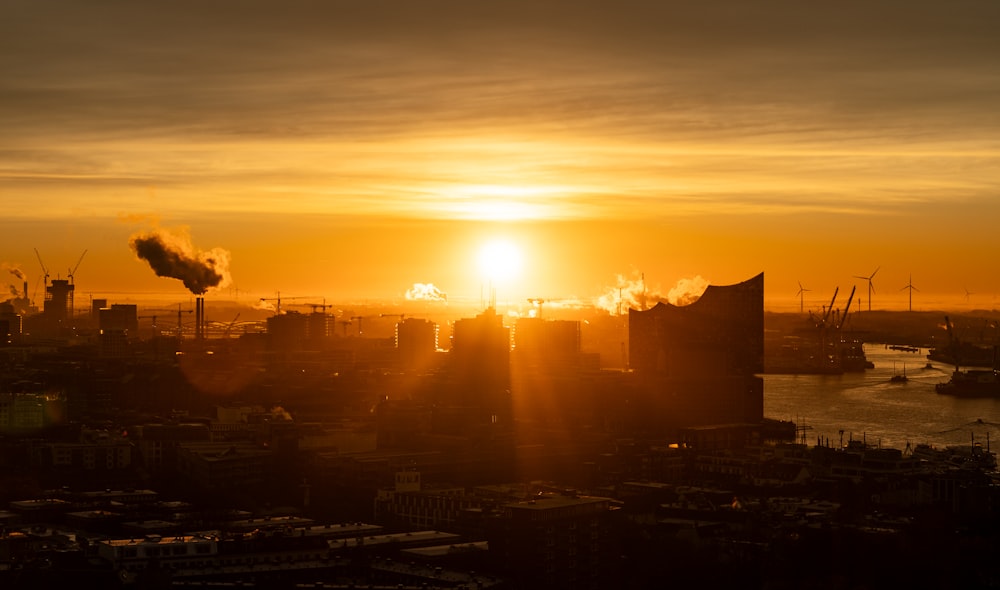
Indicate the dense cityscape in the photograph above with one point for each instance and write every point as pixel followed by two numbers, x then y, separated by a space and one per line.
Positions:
pixel 311 450
pixel 471 295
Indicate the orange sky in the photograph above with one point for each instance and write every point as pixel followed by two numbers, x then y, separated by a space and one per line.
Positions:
pixel 351 149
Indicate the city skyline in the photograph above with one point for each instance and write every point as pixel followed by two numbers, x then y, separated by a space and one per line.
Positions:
pixel 355 151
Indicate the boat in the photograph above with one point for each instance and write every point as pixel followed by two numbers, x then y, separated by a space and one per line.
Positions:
pixel 972 383
pixel 897 377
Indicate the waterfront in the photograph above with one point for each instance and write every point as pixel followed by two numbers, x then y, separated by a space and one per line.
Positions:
pixel 867 405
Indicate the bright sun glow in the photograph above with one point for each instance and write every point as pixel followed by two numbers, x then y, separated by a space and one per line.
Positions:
pixel 499 261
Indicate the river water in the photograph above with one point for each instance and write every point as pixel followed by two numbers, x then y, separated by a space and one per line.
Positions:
pixel 867 405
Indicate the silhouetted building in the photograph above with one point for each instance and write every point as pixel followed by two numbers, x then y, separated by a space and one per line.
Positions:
pixel 24 411
pixel 480 363
pixel 96 305
pixel 416 343
pixel 557 541
pixel 10 323
pixel 119 324
pixel 287 331
pixel 320 326
pixel 546 345
pixel 700 361
pixel 58 296
pixel 119 317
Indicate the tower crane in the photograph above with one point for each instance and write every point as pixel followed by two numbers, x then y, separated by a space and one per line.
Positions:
pixel 537 302
pixel 180 312
pixel 153 317
pixel 323 306
pixel 360 318
pixel 45 271
pixel 277 301
pixel 72 271
pixel 229 327
pixel 71 274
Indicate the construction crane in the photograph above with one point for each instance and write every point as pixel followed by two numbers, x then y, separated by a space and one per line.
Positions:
pixel 180 317
pixel 45 271
pixel 537 302
pixel 71 274
pixel 323 306
pixel 360 318
pixel 72 271
pixel 401 316
pixel 153 317
pixel 277 301
pixel 229 327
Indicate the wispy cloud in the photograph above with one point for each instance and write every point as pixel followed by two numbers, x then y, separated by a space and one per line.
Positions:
pixel 649 108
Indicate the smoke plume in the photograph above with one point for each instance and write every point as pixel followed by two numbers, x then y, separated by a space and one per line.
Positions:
pixel 634 292
pixel 687 291
pixel 425 292
pixel 172 255
pixel 264 305
pixel 14 271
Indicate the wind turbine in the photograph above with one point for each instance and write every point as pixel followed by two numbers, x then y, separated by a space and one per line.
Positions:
pixel 967 293
pixel 871 287
pixel 912 289
pixel 802 304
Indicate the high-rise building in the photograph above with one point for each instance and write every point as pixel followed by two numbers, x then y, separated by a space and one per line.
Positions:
pixel 416 343
pixel 546 345
pixel 480 366
pixel 58 295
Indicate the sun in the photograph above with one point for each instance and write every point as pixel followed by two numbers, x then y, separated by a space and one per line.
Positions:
pixel 499 261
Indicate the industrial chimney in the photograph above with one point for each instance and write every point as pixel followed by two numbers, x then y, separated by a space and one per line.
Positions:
pixel 199 318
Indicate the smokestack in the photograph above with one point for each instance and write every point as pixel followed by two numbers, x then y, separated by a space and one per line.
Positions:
pixel 25 290
pixel 199 318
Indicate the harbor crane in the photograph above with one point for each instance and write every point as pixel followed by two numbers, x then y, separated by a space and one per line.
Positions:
pixel 842 321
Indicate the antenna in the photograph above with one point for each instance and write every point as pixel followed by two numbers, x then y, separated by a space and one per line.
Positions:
pixel 871 286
